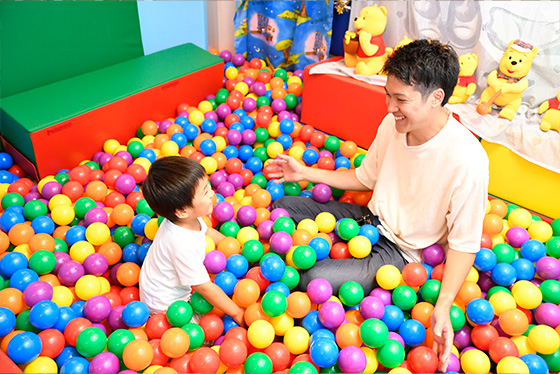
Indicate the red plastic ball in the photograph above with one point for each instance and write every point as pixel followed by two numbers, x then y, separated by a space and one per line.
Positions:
pixel 317 139
pixel 160 358
pixel 306 132
pixel 157 324
pixel 502 347
pixel 113 199
pixel 414 274
pixel 255 274
pixel 80 174
pixel 234 165
pixel 326 163
pixel 129 294
pixel 137 172
pixel 279 355
pixel 53 342
pixel 422 360
pixel 74 328
pixel 181 364
pixel 483 335
pixel 340 251
pixel 204 360
pixel 238 333
pixel 212 325
pixel 133 198
pixel 110 178
pixel 437 272
pixel 117 163
pixel 233 352
pixel 74 190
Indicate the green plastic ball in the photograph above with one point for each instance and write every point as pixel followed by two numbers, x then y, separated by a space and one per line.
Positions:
pixel 391 354
pixel 229 228
pixel 358 160
pixel 91 342
pixel 214 103
pixel 42 262
pixel 495 289
pixel 134 148
pixel 260 153
pixel 258 363
pixel 23 322
pixel 274 303
pixel 262 100
pixel 290 278
pixel 504 252
pixel 291 101
pixel 196 335
pixel 12 198
pixel 374 333
pixel 143 207
pixel 179 313
pixel 262 134
pixel 553 361
pixel 347 228
pixel 285 224
pixel 553 247
pixel 252 250
pixel 555 225
pixel 303 367
pixel 351 293
pixel 83 205
pixel 332 144
pixel 282 74
pixel 304 257
pixel 60 245
pixel 292 188
pixel 331 369
pixel 458 318
pixel 123 236
pixel 222 95
pixel 259 180
pixel 62 178
pixel 118 340
pixel 93 165
pixel 34 209
pixel 404 297
pixel 430 291
pixel 550 290
pixel 199 304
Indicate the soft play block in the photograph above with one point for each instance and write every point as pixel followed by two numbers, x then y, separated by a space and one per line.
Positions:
pixel 61 124
pixel 521 182
pixel 342 106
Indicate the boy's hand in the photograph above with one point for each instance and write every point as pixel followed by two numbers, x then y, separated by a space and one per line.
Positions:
pixel 239 317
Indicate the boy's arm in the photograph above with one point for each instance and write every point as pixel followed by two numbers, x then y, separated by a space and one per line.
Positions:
pixel 215 235
pixel 457 267
pixel 215 296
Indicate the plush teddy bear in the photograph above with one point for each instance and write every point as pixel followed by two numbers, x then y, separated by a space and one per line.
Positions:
pixel 371 52
pixel 466 85
pixel 506 84
pixel 551 110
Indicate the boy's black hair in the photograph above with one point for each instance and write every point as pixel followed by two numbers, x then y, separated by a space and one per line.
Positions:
pixel 426 65
pixel 171 184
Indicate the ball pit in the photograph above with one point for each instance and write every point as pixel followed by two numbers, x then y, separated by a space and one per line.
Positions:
pixel 72 244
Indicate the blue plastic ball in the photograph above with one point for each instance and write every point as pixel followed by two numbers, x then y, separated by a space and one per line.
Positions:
pixel 342 162
pixel 75 365
pixel 65 315
pixel 504 274
pixel 191 131
pixel 208 125
pixel 321 333
pixel 180 139
pixel 321 247
pixel 12 262
pixel 231 151
pixel 273 268
pixel 279 286
pixel 524 268
pixel 148 154
pixel 312 323
pixel 75 234
pixel 286 126
pixel 130 253
pixel 485 260
pixel 181 121
pixel 324 352
pixel 135 314
pixel 254 164
pixel 276 191
pixel 237 126
pixel 6 160
pixel 393 317
pixel 143 252
pixel 285 140
pixel 480 311
pixel 43 225
pixel 138 223
pixel 370 232
pixel 10 218
pixel 229 323
pixel 226 281
pixel 245 152
pixel 23 278
pixel 535 363
pixel 412 332
pixel 248 122
pixel 7 321
pixel 237 265
pixel 208 147
pixel 78 307
pixel 310 156
pixel 44 314
pixel 66 354
pixel 533 250
pixel 24 347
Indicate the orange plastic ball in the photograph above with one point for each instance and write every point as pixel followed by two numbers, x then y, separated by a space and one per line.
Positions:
pixel 12 298
pixel 229 246
pixel 492 224
pixel 298 304
pixel 348 335
pixel 20 233
pixel 137 355
pixel 128 274
pixel 41 241
pixel 246 292
pixel 122 214
pixel 498 207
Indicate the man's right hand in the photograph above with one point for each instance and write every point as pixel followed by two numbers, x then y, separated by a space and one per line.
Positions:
pixel 286 169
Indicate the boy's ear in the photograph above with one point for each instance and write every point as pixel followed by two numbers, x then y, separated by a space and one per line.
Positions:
pixel 182 213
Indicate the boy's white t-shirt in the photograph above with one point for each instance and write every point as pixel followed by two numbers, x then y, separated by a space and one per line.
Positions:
pixel 432 193
pixel 174 263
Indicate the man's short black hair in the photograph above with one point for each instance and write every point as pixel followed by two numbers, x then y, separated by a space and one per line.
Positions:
pixel 171 185
pixel 426 65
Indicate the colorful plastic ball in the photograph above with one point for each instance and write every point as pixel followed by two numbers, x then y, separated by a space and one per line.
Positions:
pixel 351 293
pixel 75 365
pixel 544 339
pixel 7 321
pixel 516 236
pixel 391 354
pixel 347 228
pixel 422 360
pixel 274 303
pixel 258 362
pixel 550 290
pixel 304 257
pixel 137 355
pixel 321 193
pixel 352 360
pixel 548 268
pixel 97 308
pixel 135 314
pixel 11 262
pixel 480 311
pixel 374 333
pixel 512 364
pixel 475 361
pixel 388 277
pixel 41 364
pixel 433 255
pixel 393 317
pixel 331 314
pixel 319 290
pixel 37 291
pixel 44 314
pixel 237 264
pixel 324 352
pixel 233 352
pixel 214 261
pixel 91 341
pixel 70 272
pixel 105 362
pixel 24 347
pixel 504 274
pixel 485 260
pixel 553 247
pixel 404 297
pixel 535 363
pixel 261 334
pixel 273 268
pixel 527 295
pixel 371 307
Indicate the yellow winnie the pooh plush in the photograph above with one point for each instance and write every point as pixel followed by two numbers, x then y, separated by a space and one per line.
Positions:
pixel 466 85
pixel 371 53
pixel 551 110
pixel 506 84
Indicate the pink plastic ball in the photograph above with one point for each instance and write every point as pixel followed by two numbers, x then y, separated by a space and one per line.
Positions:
pixel 280 242
pixel 233 137
pixel 548 314
pixel 548 267
pixel 105 362
pixel 61 258
pixel 223 110
pixel 50 189
pixel 352 359
pixel 96 264
pixel 215 261
pixel 238 59
pixel 259 88
pixel 265 229
pixel 246 215
pixel 37 291
pixel 371 307
pixel 218 177
pixel 319 290
pixel 70 272
pixel 249 104
pixel 331 314
pixel 248 137
pixel 226 55
pixel 226 189
pixel 125 184
pixel 115 320
pixel 223 211
pixel 381 294
pixel 236 180
pixel 96 215
pixel 277 213
pixel 212 115
pixel 278 105
pixel 516 236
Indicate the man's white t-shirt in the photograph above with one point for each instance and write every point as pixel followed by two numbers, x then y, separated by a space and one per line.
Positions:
pixel 432 193
pixel 174 263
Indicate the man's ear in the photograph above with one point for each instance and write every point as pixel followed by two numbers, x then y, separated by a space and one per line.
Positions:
pixel 438 96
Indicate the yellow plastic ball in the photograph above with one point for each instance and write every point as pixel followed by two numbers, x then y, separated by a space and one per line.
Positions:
pixel 147 140
pixel 505 228
pixel 151 228
pixel 209 164
pixel 242 87
pixel 239 194
pixel 63 215
pixel 135 139
pixel 296 152
pixel 527 295
pixel 231 72
pixel 309 225
pixel 121 147
pixel 169 148
pixel 45 180
pixel 247 233
pixel 295 79
pixel 144 162
pixel 98 233
pixel 540 230
pixel 87 287
pixel 59 199
pixel 282 324
pixel 105 285
pixel 544 339
pixel 497 239
pixel 399 370
pixel 273 149
pixel 80 250
pixel 371 359
pixel 24 250
pixel 326 222
pixel 196 117
pixel 502 301
pixel 41 364
pixel 205 106
pixel 523 345
pixel 475 361
pixel 388 277
pixel 246 200
pixel 151 369
pixel 209 244
pixel 511 364
pixel 274 129
pixel 4 189
pixel 296 339
pixel 473 275
pixel 290 257
pixel 220 143
pixel 62 296
pixel 110 146
pixel 520 217
pixel 359 246
pixel 260 334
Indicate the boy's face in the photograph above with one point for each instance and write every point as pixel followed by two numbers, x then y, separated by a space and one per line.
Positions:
pixel 203 200
pixel 412 112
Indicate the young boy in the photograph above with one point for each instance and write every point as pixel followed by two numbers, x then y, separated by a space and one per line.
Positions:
pixel 177 189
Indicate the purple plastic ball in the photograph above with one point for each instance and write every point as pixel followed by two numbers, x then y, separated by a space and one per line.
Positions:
pixel 372 307
pixel 298 73
pixel 249 104
pixel 462 338
pixel 278 105
pixel 259 88
pixel 115 320
pixel 223 111
pixel 61 258
pixel 215 261
pixel 325 153
pixel 319 290
pixel 331 314
pixel 96 264
pixel 352 359
pixel 381 294
pixel 265 229
pixel 225 189
pixel 104 158
pixel 97 308
pixel 433 255
pixel 226 55
pixel 223 211
pixel 516 236
pixel 321 193
pixel 212 115
pixel 236 180
pixel 37 291
pixel 548 314
pixel 50 189
pixel 126 156
pixel 248 137
pixel 393 335
pixel 218 177
pixel 281 242
pixel 125 184
pixel 284 115
pixel 30 196
pixel 485 281
pixel 246 215
pixel 70 272
pixel 548 268
pixel 164 125
pixel 104 363
pixel 277 213
pixel 96 215
pixel 233 137
pixel 238 59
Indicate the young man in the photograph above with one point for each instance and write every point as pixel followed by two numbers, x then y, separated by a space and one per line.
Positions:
pixel 429 177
